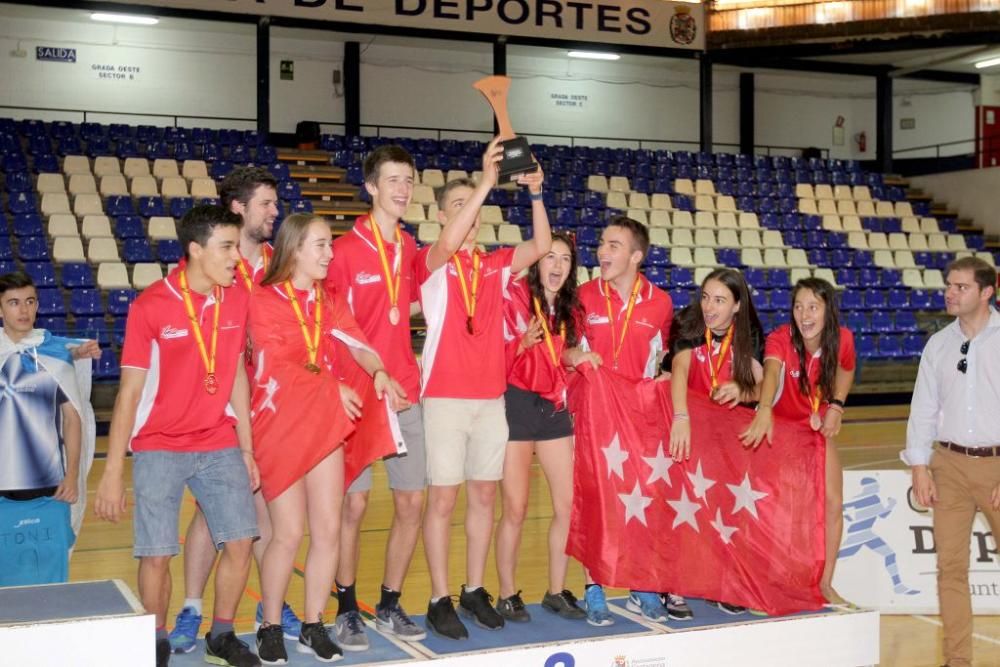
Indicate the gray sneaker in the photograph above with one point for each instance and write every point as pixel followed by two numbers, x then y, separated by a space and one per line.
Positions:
pixel 564 604
pixel 393 620
pixel 350 631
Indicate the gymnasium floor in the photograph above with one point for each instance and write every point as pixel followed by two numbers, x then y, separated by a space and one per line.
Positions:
pixel 871 439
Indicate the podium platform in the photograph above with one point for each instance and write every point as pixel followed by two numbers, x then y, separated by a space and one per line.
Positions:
pixel 830 638
pixel 86 624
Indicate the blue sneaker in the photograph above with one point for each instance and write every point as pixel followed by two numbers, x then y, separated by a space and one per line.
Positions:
pixel 291 626
pixel 647 604
pixel 597 607
pixel 187 627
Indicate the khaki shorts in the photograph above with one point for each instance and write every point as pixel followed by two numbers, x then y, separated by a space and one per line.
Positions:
pixel 465 439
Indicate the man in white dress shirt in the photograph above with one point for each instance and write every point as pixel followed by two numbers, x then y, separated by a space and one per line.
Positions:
pixel 953 439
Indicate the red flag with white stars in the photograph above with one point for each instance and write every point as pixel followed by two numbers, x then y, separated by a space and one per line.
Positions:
pixel 731 524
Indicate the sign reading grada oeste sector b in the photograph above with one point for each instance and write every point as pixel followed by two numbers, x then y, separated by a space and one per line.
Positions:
pixel 57 54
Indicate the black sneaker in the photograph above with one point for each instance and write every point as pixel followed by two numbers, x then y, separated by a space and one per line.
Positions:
pixel 725 607
pixel 478 605
pixel 228 651
pixel 564 604
pixel 443 621
pixel 315 640
pixel 271 645
pixel 677 607
pixel 162 652
pixel 512 609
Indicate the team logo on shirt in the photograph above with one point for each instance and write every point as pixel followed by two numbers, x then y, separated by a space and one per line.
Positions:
pixel 795 373
pixel 699 354
pixel 594 318
pixel 365 278
pixel 168 333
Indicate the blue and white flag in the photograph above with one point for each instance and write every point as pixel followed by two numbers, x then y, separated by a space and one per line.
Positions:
pixel 42 358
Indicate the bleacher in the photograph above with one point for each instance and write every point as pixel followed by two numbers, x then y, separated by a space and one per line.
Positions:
pixel 90 210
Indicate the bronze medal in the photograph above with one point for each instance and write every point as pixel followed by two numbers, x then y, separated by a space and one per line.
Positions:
pixel 211 384
pixel 394 316
pixel 312 368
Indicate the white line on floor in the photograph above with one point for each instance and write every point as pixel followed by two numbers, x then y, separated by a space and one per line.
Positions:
pixel 866 464
pixel 975 635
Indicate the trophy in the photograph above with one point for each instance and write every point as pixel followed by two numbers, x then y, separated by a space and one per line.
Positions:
pixel 517 158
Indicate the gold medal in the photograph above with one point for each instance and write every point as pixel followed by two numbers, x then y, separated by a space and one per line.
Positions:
pixel 393 274
pixel 312 342
pixel 394 316
pixel 469 296
pixel 207 358
pixel 715 367
pixel 606 290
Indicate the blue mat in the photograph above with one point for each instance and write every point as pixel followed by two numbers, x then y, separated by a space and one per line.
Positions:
pixel 57 602
pixel 708 616
pixel 381 650
pixel 544 627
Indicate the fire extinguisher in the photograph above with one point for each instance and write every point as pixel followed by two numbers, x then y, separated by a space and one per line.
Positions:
pixel 862 139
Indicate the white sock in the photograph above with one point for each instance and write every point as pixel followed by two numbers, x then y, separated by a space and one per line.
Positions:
pixel 472 589
pixel 437 599
pixel 194 603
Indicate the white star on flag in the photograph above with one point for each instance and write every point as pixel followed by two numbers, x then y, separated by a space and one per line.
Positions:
pixel 725 532
pixel 746 497
pixel 615 456
pixel 660 465
pixel 685 509
pixel 701 483
pixel 635 504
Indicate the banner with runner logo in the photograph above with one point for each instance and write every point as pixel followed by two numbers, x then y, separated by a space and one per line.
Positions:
pixel 653 23
pixel 887 558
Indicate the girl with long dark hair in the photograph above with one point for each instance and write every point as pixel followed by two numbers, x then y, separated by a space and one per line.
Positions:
pixel 541 323
pixel 808 372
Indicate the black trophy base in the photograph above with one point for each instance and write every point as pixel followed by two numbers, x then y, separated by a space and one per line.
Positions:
pixel 517 159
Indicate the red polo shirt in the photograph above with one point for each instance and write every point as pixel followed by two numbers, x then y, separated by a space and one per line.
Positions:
pixel 257 271
pixel 647 333
pixel 175 412
pixel 789 402
pixel 458 364
pixel 356 273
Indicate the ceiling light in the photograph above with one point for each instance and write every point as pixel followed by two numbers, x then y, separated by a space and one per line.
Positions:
pixel 594 55
pixel 992 62
pixel 124 18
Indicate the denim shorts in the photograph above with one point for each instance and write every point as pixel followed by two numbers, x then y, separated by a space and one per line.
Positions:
pixel 219 482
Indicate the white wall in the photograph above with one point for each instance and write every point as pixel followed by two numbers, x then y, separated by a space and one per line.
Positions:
pixel 972 193
pixel 194 69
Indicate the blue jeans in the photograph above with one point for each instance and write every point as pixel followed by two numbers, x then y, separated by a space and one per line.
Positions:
pixel 219 482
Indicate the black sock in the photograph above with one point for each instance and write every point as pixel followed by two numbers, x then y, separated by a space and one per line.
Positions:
pixel 390 598
pixel 347 599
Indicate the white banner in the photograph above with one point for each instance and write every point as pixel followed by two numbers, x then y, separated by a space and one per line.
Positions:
pixel 654 23
pixel 887 559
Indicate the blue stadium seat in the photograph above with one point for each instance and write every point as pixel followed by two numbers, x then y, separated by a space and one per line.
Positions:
pixel 129 227
pixel 180 205
pixel 77 274
pixel 50 302
pixel 899 299
pixel 876 299
pixel 92 327
pixel 728 257
pixel 85 302
pixel 42 273
pixel 681 277
pixel 906 321
pixel 119 301
pixel 6 249
pixel 7 266
pixel 890 346
pixel 920 299
pixel 45 164
pixel 150 206
pixel 28 224
pixel 32 249
pixel 117 205
pixel 882 322
pixel 852 299
pixel 913 345
pixel 54 323
pixel 856 321
pixel 137 250
pixel 118 331
pixel 658 256
pixel 18 181
pixel 169 251
pixel 22 202
pixel 937 300
pixel 781 299
pixel 779 278
pixel 302 206
pixel 107 367
pixel 866 346
pixel 681 297
pixel 586 257
pixel 658 276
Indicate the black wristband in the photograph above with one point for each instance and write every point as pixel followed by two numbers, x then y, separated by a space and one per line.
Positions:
pixel 836 401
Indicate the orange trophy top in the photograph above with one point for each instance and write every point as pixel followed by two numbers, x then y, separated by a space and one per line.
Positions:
pixel 495 88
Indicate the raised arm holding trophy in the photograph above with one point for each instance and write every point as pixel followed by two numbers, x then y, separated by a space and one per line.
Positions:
pixel 517 157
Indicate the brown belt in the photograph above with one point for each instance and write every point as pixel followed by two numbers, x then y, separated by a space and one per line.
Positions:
pixel 978 452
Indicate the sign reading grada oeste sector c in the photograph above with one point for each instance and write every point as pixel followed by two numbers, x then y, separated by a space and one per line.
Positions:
pixel 57 54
